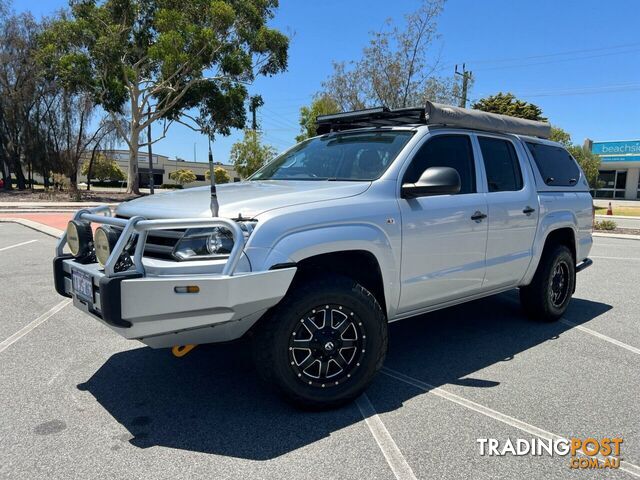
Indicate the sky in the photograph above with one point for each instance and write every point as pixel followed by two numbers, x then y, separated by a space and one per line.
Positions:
pixel 579 60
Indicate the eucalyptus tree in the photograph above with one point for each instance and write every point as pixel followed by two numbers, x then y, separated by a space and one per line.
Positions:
pixel 398 68
pixel 158 57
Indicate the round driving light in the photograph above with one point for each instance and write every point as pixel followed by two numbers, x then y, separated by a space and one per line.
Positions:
pixel 105 240
pixel 80 239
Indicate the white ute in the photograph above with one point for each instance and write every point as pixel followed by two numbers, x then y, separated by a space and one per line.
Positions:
pixel 385 215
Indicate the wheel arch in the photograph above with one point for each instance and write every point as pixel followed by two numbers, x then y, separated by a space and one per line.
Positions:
pixel 558 229
pixel 361 251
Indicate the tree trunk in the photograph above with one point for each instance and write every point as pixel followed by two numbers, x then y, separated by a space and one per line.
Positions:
pixel 6 175
pixel 90 169
pixel 133 185
pixel 20 180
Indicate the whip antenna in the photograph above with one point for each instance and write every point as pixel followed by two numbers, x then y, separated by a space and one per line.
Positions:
pixel 214 195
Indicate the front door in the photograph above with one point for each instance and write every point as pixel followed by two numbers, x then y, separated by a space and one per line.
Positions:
pixel 444 237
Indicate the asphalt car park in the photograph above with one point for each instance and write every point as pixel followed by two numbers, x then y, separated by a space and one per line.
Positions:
pixel 78 401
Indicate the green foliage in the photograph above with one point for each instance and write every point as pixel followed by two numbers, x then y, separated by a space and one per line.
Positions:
pixel 250 154
pixel 589 162
pixel 560 136
pixel 183 176
pixel 171 186
pixel 172 56
pixel 321 105
pixel 397 67
pixel 103 169
pixel 220 175
pixel 508 104
pixel 605 225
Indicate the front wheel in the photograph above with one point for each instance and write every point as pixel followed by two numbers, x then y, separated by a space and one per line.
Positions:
pixel 323 343
pixel 548 295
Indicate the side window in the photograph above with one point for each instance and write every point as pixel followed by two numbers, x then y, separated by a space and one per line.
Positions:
pixel 501 164
pixel 557 167
pixel 453 151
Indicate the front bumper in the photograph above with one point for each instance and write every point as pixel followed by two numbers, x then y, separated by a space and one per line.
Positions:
pixel 146 307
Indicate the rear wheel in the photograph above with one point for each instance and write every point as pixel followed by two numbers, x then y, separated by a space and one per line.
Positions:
pixel 323 343
pixel 550 291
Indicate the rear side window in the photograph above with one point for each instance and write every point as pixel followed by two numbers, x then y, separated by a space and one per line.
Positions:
pixel 501 165
pixel 445 151
pixel 556 166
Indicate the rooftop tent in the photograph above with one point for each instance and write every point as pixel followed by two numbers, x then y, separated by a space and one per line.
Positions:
pixel 432 114
pixel 438 114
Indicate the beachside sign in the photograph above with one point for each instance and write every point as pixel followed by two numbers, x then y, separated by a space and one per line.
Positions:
pixel 628 151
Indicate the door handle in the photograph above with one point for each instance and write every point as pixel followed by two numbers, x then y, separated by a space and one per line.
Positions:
pixel 478 216
pixel 528 210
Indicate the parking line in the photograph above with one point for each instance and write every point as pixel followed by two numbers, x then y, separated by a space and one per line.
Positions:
pixel 17 245
pixel 489 412
pixel 615 258
pixel 390 450
pixel 601 336
pixel 31 326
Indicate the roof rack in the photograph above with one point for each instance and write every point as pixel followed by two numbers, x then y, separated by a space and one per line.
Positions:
pixel 431 114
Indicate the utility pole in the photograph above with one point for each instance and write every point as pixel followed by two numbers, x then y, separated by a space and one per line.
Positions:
pixel 151 185
pixel 466 76
pixel 255 102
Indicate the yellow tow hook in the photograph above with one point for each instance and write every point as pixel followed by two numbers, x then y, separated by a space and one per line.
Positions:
pixel 181 350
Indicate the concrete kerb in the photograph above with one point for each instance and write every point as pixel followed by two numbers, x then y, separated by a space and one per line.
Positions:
pixel 39 227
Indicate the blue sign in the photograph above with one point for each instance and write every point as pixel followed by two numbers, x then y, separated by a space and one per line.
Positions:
pixel 622 151
pixel 619 158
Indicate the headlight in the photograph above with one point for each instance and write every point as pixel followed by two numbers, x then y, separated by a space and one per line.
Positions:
pixel 105 239
pixel 203 243
pixel 80 239
pixel 208 243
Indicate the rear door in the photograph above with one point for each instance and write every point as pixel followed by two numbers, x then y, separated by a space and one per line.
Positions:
pixel 444 237
pixel 512 217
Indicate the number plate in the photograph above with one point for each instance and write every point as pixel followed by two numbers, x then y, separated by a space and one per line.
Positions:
pixel 82 285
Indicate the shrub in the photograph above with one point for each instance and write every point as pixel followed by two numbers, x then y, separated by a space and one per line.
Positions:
pixel 605 225
pixel 171 185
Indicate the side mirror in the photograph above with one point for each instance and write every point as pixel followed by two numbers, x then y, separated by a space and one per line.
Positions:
pixel 434 181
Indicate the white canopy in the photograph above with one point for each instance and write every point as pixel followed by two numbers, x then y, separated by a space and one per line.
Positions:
pixel 438 114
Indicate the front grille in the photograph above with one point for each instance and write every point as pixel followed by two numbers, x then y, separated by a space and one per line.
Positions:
pixel 160 243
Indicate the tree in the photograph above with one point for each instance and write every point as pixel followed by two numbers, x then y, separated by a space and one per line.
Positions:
pixel 590 164
pixel 183 176
pixel 560 136
pixel 321 105
pixel 104 168
pixel 397 68
pixel 161 57
pixel 19 93
pixel 508 104
pixel 250 154
pixel 220 175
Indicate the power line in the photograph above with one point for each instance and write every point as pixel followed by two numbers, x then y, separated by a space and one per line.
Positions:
pixel 559 60
pixel 547 55
pixel 578 91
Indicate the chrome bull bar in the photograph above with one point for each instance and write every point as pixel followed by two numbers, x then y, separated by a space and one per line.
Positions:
pixel 141 226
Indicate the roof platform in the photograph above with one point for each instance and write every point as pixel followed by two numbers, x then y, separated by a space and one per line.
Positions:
pixel 431 114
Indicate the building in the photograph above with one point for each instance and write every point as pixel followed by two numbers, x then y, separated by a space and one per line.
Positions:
pixel 163 166
pixel 619 168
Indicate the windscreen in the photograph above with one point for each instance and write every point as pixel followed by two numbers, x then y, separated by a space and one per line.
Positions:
pixel 360 156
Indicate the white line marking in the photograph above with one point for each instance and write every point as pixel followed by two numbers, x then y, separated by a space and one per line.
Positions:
pixel 489 412
pixel 38 321
pixel 390 450
pixel 17 245
pixel 615 258
pixel 601 336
